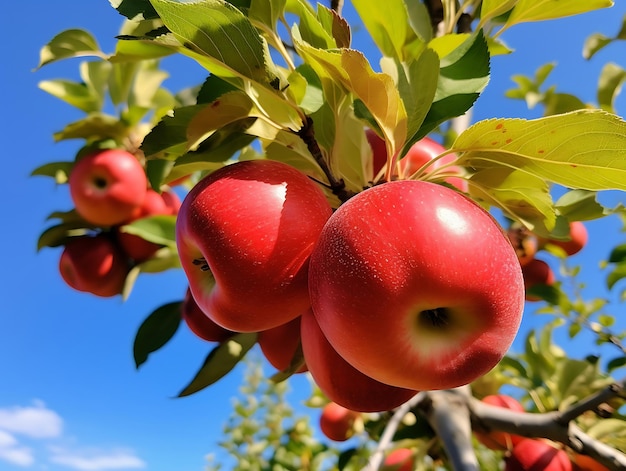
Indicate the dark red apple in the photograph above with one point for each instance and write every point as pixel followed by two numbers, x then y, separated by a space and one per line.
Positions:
pixel 537 272
pixel 497 440
pixel 416 286
pixel 280 344
pixel 400 459
pixel 94 264
pixel 200 324
pixel 537 455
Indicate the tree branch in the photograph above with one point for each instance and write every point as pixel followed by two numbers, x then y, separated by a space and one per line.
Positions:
pixel 556 426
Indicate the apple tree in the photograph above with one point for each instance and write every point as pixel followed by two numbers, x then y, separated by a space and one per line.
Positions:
pixel 341 211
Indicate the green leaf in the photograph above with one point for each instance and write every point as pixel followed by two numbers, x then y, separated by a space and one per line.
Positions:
pixel 377 91
pixel 213 88
pixel 521 196
pixel 336 25
pixel 159 229
pixel 597 41
pixel 94 127
pixel 69 43
pixel 617 274
pixel 218 33
pixel 60 171
pixel 220 362
pixel 616 363
pixel 76 94
pixel 609 85
pixel 463 75
pixel 490 9
pixel 132 9
pixel 581 205
pixel 584 149
pixel 388 24
pixel 168 139
pixel 618 254
pixel 419 19
pixel 310 28
pixel 539 10
pixel 267 12
pixel 56 236
pixel 156 330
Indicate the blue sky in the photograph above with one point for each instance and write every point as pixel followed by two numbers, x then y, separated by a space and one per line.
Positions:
pixel 70 397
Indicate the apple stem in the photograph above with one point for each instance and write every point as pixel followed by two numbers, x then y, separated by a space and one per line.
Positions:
pixel 337 186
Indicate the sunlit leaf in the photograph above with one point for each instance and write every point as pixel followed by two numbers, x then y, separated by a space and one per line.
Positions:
pixel 156 330
pixel 58 170
pixel 217 31
pixel 538 10
pixel 388 24
pixel 597 41
pixel 581 205
pixel 220 362
pixel 617 274
pixel 266 12
pixel 310 28
pixel 94 127
pixel 584 149
pixel 69 43
pixel 159 229
pixel 74 93
pixel 489 9
pixel 133 9
pixel 610 84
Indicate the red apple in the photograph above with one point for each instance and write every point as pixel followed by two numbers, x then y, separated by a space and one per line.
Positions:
pixel 537 272
pixel 172 201
pixel 537 455
pixel 416 286
pixel 577 239
pixel 200 324
pixel 337 422
pixel 419 154
pixel 496 440
pixel 93 264
pixel 587 463
pixel 400 459
pixel 107 186
pixel 341 382
pixel 136 247
pixel 251 226
pixel 280 344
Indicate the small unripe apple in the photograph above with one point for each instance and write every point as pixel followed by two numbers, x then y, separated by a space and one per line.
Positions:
pixel 400 459
pixel 244 235
pixel 107 186
pixel 496 440
pixel 537 272
pixel 340 381
pixel 280 344
pixel 200 324
pixel 416 286
pixel 135 246
pixel 578 237
pixel 337 422
pixel 94 264
pixel 540 455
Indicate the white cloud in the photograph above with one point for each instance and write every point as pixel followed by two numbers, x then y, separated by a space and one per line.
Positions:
pixel 14 453
pixel 36 421
pixel 96 460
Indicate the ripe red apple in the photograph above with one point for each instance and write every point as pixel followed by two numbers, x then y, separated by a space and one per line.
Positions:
pixel 496 440
pixel 587 463
pixel 279 344
pixel 93 264
pixel 251 226
pixel 341 382
pixel 400 459
pixel 537 272
pixel 200 324
pixel 172 201
pixel 537 455
pixel 416 286
pixel 136 247
pixel 107 186
pixel 578 239
pixel 420 153
pixel 337 422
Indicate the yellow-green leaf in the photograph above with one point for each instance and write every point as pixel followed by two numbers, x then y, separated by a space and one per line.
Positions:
pixel 583 149
pixel 69 43
pixel 538 10
pixel 489 9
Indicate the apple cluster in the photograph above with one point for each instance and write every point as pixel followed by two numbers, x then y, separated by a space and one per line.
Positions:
pixel 537 272
pixel 407 286
pixel 109 189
